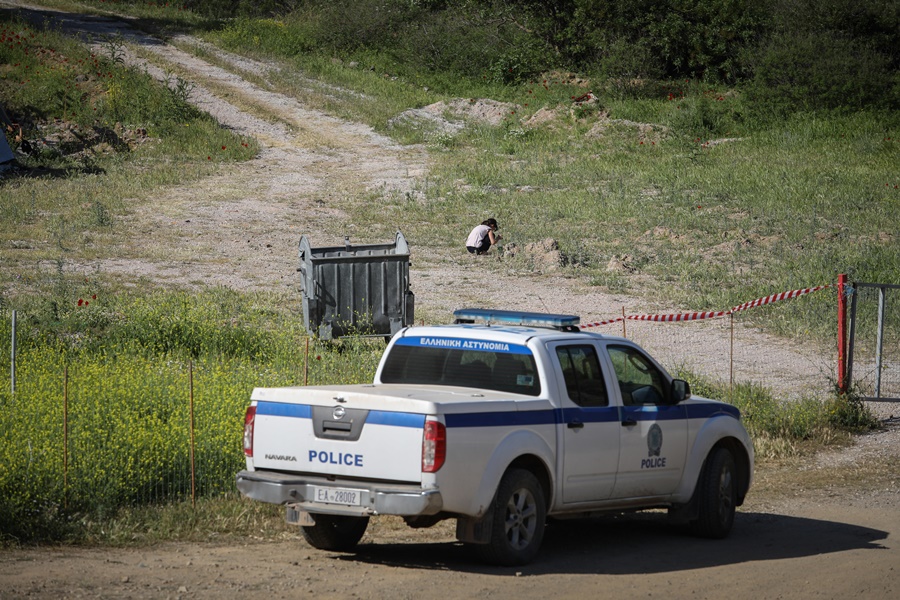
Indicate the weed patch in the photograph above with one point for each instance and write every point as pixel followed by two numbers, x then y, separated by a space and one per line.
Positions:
pixel 112 393
pixel 779 428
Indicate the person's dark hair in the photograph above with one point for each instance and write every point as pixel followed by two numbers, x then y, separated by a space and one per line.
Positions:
pixel 492 222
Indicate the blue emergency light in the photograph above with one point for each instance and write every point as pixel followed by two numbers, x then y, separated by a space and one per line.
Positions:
pixel 515 317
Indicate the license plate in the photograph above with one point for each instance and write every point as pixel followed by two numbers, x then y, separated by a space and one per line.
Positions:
pixel 344 496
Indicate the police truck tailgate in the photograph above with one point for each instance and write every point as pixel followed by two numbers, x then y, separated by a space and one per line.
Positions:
pixel 338 432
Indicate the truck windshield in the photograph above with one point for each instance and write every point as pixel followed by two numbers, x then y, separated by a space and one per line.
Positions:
pixel 466 363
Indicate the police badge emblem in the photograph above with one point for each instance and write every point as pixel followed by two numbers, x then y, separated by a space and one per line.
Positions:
pixel 654 440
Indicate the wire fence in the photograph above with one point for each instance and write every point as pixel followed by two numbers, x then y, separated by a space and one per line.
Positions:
pixel 101 432
pixel 875 341
pixel 730 346
pixel 94 434
pixel 87 433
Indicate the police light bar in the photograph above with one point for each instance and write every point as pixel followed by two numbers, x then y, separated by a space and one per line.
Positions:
pixel 515 317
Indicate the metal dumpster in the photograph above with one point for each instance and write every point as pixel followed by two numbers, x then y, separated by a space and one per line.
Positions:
pixel 361 290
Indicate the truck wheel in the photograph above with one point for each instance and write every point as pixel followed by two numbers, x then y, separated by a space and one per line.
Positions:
pixel 519 516
pixel 715 496
pixel 335 532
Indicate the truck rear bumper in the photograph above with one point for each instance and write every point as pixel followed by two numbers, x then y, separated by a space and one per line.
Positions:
pixel 282 488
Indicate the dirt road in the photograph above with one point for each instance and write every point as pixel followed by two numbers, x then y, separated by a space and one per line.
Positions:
pixel 834 546
pixel 814 529
pixel 827 527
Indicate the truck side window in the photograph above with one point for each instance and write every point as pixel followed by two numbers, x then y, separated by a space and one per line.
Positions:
pixel 639 380
pixel 582 374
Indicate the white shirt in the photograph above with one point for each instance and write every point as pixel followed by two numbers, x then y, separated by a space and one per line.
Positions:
pixel 476 238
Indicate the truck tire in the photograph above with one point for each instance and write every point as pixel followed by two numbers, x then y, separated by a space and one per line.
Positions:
pixel 716 496
pixel 519 515
pixel 334 532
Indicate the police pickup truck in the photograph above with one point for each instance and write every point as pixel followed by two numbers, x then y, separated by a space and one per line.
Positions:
pixel 502 420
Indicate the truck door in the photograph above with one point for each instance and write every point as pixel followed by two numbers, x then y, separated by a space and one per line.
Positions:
pixel 590 426
pixel 653 432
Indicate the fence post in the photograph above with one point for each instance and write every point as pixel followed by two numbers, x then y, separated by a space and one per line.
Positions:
pixel 66 436
pixel 842 382
pixel 306 364
pixel 193 467
pixel 731 361
pixel 12 366
pixel 879 341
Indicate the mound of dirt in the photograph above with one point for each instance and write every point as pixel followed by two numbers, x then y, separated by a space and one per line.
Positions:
pixel 61 137
pixel 484 111
pixel 647 132
pixel 450 117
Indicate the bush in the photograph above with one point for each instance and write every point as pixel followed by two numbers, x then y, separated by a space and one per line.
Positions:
pixel 827 54
pixel 345 26
pixel 847 411
pixel 816 71
pixel 783 423
pixel 410 37
pixel 627 68
pixel 280 38
pixel 705 114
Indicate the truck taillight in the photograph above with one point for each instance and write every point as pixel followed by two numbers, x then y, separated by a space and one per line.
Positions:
pixel 249 420
pixel 434 446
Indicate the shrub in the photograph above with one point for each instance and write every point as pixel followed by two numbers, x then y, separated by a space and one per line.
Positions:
pixel 816 71
pixel 827 54
pixel 847 411
pixel 784 423
pixel 345 26
pixel 627 68
pixel 284 38
pixel 707 114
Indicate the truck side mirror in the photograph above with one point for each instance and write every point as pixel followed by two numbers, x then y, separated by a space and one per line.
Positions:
pixel 681 391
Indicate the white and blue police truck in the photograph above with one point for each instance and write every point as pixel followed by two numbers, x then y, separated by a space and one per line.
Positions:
pixel 500 420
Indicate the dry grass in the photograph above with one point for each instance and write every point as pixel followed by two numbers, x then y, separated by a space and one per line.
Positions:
pixel 847 465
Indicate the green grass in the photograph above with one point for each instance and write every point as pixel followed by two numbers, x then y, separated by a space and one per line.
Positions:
pixel 781 429
pixel 111 393
pixel 777 207
pixel 714 207
pixel 711 227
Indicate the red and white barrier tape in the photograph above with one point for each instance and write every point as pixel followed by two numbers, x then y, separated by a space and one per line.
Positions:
pixel 696 316
pixel 777 297
pixel 599 323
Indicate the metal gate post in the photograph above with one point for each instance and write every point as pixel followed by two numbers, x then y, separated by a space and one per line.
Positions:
pixel 850 342
pixel 842 382
pixel 879 393
pixel 879 344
